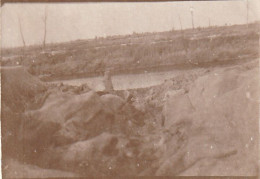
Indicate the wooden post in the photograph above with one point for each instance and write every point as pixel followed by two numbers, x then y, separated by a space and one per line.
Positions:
pixel 108 82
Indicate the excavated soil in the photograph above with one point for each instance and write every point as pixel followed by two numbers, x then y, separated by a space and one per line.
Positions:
pixel 199 123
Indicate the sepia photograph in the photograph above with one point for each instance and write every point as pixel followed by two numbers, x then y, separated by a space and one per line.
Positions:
pixel 130 89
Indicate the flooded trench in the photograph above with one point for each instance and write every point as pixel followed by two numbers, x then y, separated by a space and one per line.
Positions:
pixel 125 81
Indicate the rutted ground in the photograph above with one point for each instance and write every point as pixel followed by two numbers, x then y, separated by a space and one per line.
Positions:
pixel 199 123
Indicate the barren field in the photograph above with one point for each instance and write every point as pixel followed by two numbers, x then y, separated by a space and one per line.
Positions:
pixel 196 116
pixel 138 53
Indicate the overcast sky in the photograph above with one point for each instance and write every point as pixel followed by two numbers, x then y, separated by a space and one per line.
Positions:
pixel 72 21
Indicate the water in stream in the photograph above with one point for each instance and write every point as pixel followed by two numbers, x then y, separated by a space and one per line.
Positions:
pixel 126 81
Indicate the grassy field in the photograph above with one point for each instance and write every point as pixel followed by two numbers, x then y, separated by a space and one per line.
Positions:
pixel 137 53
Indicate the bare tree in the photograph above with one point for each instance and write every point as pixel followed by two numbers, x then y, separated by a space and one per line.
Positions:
pixel 180 22
pixel 247 6
pixel 191 11
pixel 45 26
pixel 21 32
pixel 185 42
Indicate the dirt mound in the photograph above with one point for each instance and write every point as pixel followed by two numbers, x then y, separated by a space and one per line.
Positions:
pixel 20 91
pixel 66 118
pixel 19 88
pixel 104 155
pixel 201 123
pixel 219 116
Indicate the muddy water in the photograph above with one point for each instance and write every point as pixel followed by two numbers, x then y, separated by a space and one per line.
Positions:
pixel 122 82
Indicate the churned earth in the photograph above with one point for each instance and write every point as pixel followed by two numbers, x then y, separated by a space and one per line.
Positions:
pixel 202 122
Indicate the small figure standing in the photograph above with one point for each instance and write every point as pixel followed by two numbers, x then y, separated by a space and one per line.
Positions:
pixel 108 82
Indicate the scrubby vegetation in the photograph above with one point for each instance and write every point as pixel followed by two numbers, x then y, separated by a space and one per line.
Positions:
pixel 139 52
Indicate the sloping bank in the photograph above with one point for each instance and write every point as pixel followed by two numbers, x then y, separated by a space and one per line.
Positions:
pixel 196 124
